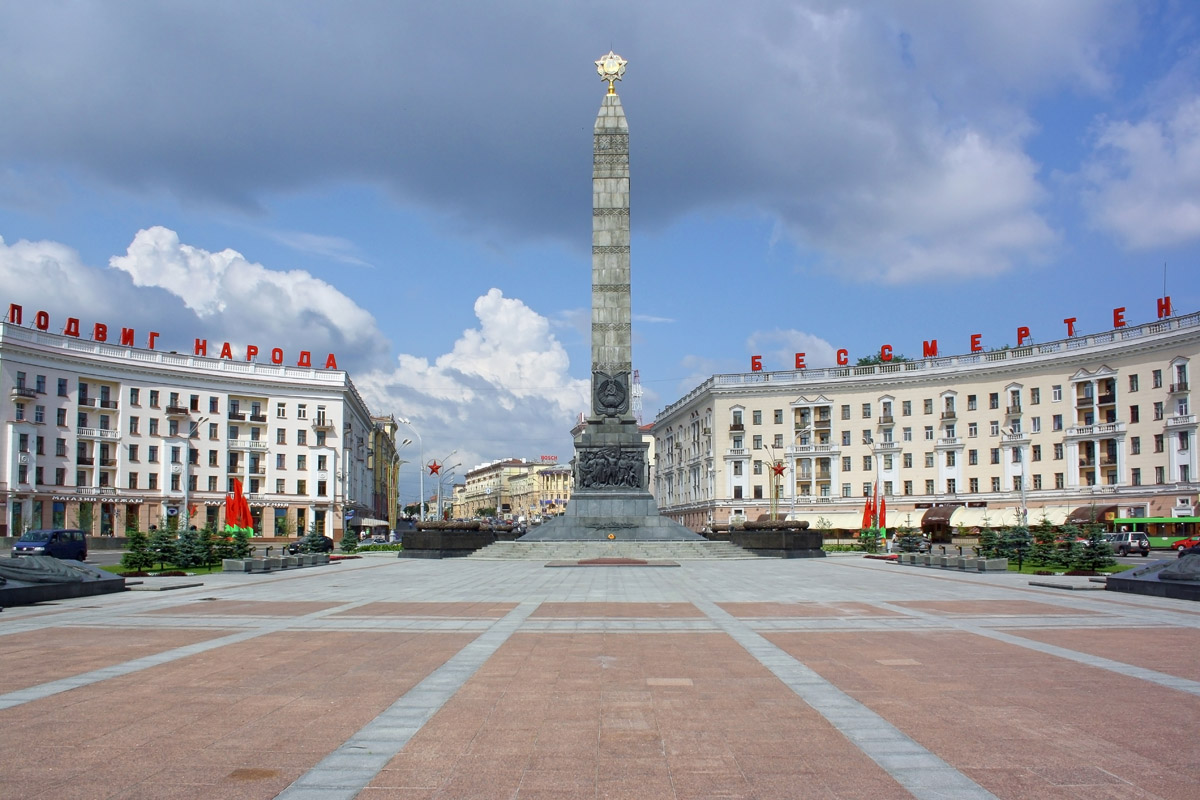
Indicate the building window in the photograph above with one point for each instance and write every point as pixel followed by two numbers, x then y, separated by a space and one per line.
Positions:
pixel 929 433
pixel 906 408
pixel 756 418
pixel 1037 452
pixel 971 404
pixel 60 448
pixel 929 487
pixel 153 426
pixel 951 486
pixel 19 411
pixel 172 427
pixel 152 480
pixel 756 442
pixel 214 405
pixel 908 487
pixel 866 463
pixel 62 387
pixel 301 487
pixel 846 464
pixel 757 469
pixel 866 410
pixel 779 416
pixel 60 416
pixel 1158 410
pixel 1135 476
pixel 972 457
pixel 887 464
pixel 194 402
pixel 973 485
pixel 1160 475
pixel 1184 441
pixel 1035 396
pixel 212 483
pixel 280 413
pixel 1058 451
pixel 995 455
pixel 778 440
pixel 929 459
pixel 154 398
pixel 1156 381
pixel 152 454
pixel 951 458
pixel 757 491
pixel 1158 444
pixel 994 427
pixel 928 406
pixel 972 429
pixel 1135 445
pixel 1056 422
pixel 906 434
pixel 302 437
pixel 906 459
pixel 1133 383
pixel 133 452
pixel 845 438
pixel 301 411
pixel 846 412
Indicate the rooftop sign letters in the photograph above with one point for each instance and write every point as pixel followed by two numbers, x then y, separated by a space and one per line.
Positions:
pixel 929 348
pixel 41 321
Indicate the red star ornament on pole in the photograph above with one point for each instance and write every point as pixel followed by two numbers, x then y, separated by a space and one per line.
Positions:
pixel 434 468
pixel 777 468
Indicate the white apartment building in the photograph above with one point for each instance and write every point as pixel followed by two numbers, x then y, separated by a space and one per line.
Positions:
pixel 1098 424
pixel 106 437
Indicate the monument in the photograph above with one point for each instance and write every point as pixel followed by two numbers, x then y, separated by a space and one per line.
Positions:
pixel 611 499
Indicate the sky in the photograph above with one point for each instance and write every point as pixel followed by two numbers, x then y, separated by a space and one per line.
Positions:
pixel 408 185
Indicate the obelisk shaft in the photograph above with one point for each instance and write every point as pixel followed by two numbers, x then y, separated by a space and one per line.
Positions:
pixel 611 317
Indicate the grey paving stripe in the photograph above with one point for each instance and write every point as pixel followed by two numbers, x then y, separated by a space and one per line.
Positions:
pixel 349 769
pixel 1119 667
pixel 918 770
pixel 43 690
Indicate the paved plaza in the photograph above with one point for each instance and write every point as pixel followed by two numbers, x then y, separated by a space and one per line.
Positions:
pixel 392 678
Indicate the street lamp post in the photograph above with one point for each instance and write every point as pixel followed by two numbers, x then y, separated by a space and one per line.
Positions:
pixel 1024 516
pixel 442 479
pixel 420 472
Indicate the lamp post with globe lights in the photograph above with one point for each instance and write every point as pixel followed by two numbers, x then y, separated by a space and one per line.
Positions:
pixel 420 472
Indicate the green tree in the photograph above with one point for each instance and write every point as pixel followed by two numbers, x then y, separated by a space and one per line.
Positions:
pixel 1015 544
pixel 870 361
pixel 222 547
pixel 162 545
pixel 1095 553
pixel 208 545
pixel 909 539
pixel 349 541
pixel 137 555
pixel 313 541
pixel 989 542
pixel 241 543
pixel 188 553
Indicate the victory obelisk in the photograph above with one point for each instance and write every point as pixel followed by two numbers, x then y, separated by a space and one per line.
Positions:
pixel 611 499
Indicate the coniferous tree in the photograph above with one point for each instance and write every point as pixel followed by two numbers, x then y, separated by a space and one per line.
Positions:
pixel 207 545
pixel 188 553
pixel 222 547
pixel 1096 553
pixel 241 543
pixel 162 546
pixel 1045 551
pixel 909 541
pixel 349 542
pixel 313 542
pixel 137 555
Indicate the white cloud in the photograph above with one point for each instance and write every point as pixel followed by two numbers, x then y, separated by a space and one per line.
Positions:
pixel 778 348
pixel 502 391
pixel 254 304
pixel 1143 182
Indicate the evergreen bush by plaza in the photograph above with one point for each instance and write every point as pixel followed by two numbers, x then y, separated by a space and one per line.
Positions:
pixel 188 551
pixel 137 551
pixel 349 542
pixel 989 542
pixel 1096 553
pixel 1046 550
pixel 222 547
pixel 909 540
pixel 241 543
pixel 313 541
pixel 162 547
pixel 1015 544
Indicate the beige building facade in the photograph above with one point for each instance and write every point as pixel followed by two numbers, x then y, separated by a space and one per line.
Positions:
pixel 516 489
pixel 110 437
pixel 1100 421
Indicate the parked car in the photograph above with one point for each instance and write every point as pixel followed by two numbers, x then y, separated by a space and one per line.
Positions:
pixel 326 546
pixel 66 543
pixel 1184 544
pixel 1126 542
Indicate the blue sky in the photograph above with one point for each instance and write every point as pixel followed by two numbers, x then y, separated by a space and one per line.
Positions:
pixel 408 184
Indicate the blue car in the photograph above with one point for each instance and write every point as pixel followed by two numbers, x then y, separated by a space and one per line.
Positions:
pixel 64 543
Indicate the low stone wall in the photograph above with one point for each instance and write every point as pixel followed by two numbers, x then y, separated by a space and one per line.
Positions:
pixel 772 538
pixel 274 563
pixel 452 539
pixel 969 564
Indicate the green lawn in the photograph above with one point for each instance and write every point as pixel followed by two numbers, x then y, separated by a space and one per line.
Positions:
pixel 117 569
pixel 1030 569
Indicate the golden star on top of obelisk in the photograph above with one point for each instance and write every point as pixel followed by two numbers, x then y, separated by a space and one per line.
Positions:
pixel 611 67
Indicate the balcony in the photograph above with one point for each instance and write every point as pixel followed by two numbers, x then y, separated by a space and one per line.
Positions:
pixel 84 461
pixel 108 463
pixel 823 475
pixel 1184 421
pixel 178 411
pixel 237 416
pixel 1087 463
pixel 96 490
pixel 1106 429
pixel 949 441
pixel 88 402
pixel 257 445
pixel 809 449
pixel 953 415
pixel 823 422
pixel 109 404
pixel 258 417
pixel 323 424
pixel 1177 388
pixel 1106 399
pixel 736 426
pixel 1013 410
pixel 22 391
pixel 1084 400
pixel 737 451
pixel 106 434
pixel 888 419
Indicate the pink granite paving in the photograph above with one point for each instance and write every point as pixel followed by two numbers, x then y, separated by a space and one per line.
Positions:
pixel 456 610
pixel 756 610
pixel 250 608
pixel 992 608
pixel 29 659
pixel 1175 651
pixel 642 716
pixel 617 610
pixel 1018 722
pixel 241 721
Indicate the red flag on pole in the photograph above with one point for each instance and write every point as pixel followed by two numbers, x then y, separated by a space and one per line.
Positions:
pixel 867 514
pixel 875 505
pixel 882 513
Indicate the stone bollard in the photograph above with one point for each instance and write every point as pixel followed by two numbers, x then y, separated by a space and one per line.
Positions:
pixel 256 565
pixel 993 565
pixel 273 562
pixel 235 565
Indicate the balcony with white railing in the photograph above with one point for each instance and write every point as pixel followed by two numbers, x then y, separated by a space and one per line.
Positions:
pixel 106 434
pixel 257 445
pixel 1181 421
pixel 811 449
pixel 949 441
pixel 1106 429
pixel 19 392
pixel 737 451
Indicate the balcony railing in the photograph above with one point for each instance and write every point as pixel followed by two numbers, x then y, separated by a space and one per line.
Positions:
pixel 1013 410
pixel 1107 399
pixel 23 391
pixel 88 402
pixel 108 463
pixel 952 415
pixel 110 404
pixel 1176 388
pixel 237 416
pixel 824 422
pixel 247 444
pixel 736 426
pixel 1180 421
pixel 84 461
pixel 178 411
pixel 258 417
pixel 888 419
pixel 1103 429
pixel 98 433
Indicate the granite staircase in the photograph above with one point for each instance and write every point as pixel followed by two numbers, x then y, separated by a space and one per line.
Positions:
pixel 580 550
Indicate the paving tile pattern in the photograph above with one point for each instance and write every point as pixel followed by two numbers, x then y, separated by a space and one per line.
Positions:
pixel 837 678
